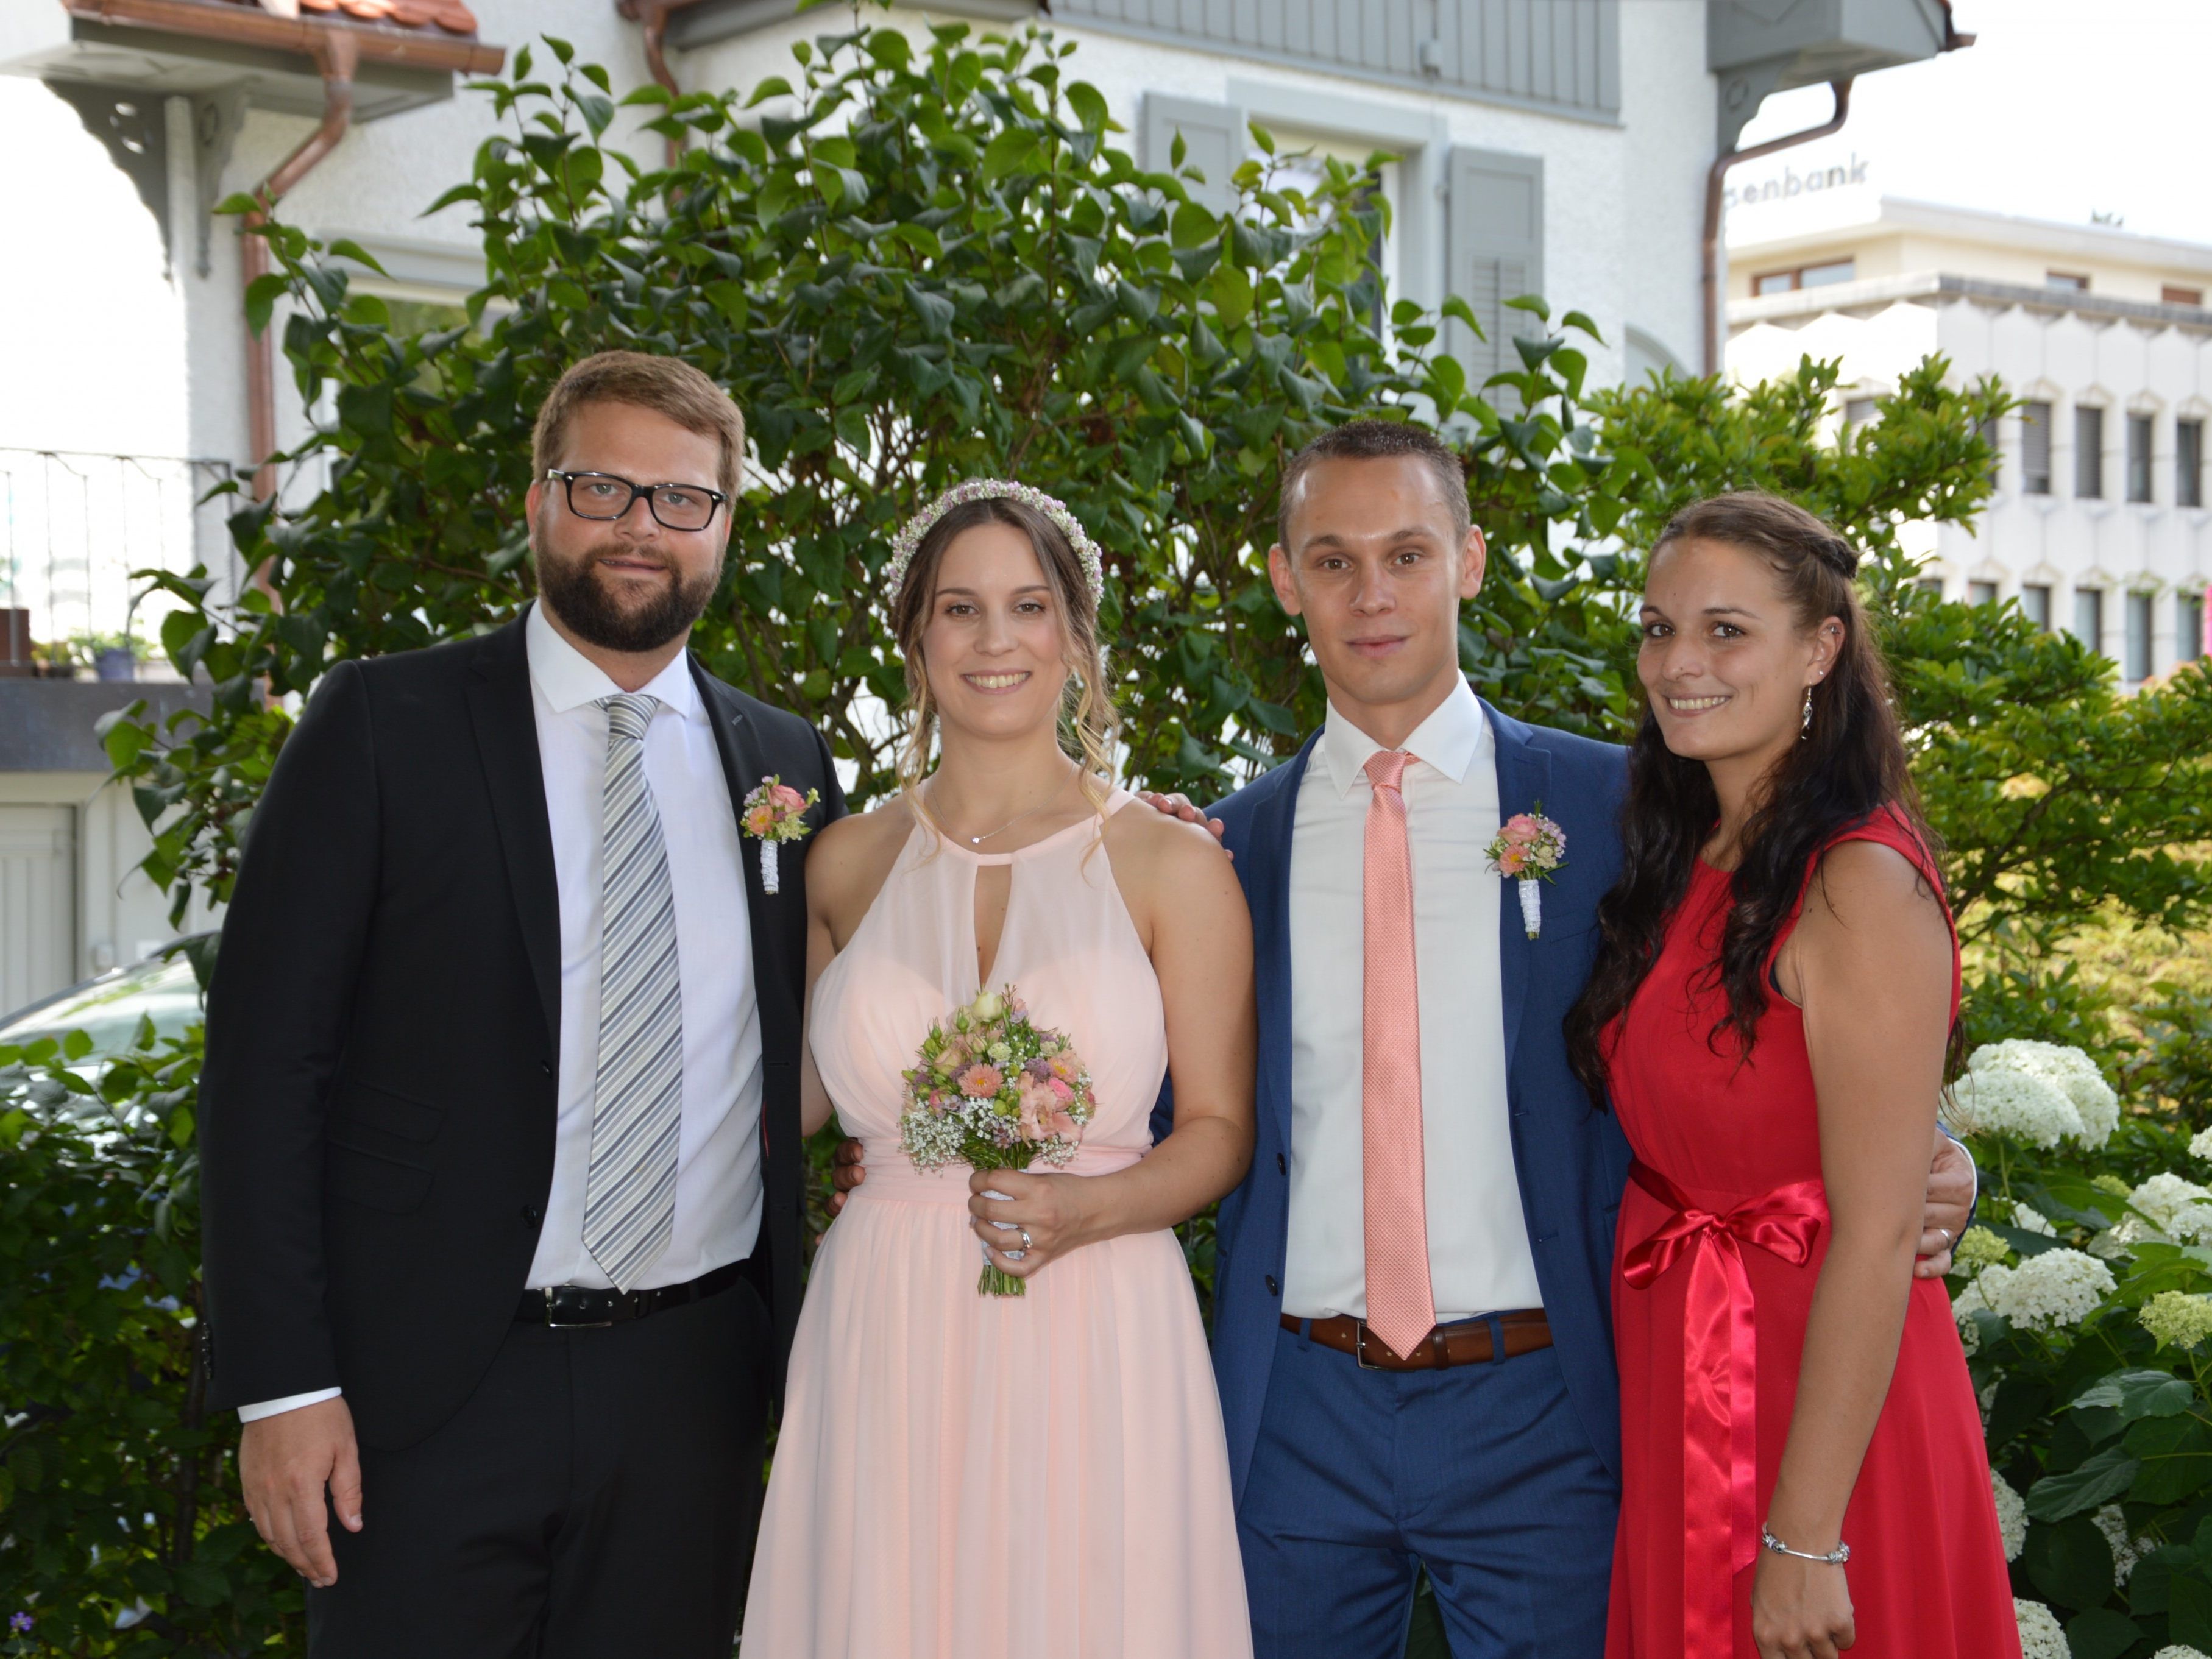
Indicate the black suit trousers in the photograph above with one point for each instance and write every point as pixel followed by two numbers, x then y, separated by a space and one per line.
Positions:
pixel 596 1497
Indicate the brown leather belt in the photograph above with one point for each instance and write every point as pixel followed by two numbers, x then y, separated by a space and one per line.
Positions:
pixel 1465 1342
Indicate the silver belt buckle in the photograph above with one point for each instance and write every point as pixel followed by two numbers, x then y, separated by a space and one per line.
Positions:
pixel 1360 1347
pixel 554 1322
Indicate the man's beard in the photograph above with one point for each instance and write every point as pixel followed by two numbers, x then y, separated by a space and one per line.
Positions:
pixel 576 593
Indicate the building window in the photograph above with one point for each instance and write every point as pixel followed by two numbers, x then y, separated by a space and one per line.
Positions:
pixel 1981 592
pixel 2139 458
pixel 1987 429
pixel 2035 604
pixel 1932 585
pixel 2189 463
pixel 2089 616
pixel 2138 647
pixel 2189 626
pixel 2172 295
pixel 2067 281
pixel 2089 452
pixel 1789 281
pixel 2035 449
pixel 1857 412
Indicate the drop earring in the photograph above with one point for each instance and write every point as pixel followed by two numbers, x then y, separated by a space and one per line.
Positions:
pixel 1805 721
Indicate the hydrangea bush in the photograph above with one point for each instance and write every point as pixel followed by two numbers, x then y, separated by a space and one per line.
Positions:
pixel 2084 1298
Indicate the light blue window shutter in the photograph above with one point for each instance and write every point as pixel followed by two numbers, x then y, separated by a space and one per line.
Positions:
pixel 1496 250
pixel 1213 140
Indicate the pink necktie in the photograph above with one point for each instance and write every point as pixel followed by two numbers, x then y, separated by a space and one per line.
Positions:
pixel 1400 1307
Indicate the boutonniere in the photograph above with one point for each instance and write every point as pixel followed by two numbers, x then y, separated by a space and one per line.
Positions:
pixel 1526 851
pixel 775 812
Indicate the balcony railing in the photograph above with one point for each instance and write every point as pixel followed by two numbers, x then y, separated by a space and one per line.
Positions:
pixel 73 526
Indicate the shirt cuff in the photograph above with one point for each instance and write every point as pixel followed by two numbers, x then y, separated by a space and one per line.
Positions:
pixel 290 1402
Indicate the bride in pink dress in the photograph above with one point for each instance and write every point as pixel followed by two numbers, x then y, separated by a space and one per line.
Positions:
pixel 959 1476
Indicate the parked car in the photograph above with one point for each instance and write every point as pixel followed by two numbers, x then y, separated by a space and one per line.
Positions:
pixel 109 1008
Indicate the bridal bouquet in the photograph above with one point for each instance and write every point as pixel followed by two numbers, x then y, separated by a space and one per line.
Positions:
pixel 995 1091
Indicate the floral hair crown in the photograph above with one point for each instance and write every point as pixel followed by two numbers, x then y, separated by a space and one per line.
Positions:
pixel 980 489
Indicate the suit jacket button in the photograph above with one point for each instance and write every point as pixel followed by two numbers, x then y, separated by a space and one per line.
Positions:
pixel 1282 1166
pixel 532 1214
pixel 1273 1289
pixel 546 1066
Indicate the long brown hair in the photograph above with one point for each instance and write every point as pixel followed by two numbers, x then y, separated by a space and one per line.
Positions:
pixel 1850 765
pixel 1089 720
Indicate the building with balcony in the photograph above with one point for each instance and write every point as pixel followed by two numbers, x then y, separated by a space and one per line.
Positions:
pixel 2100 524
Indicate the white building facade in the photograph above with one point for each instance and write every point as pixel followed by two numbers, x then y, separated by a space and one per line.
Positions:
pixel 2100 524
pixel 1558 147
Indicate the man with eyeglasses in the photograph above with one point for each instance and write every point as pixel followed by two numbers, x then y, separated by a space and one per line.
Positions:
pixel 499 1117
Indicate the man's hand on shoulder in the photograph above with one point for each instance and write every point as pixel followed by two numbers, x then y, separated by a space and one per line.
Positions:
pixel 849 1168
pixel 1179 807
pixel 285 1463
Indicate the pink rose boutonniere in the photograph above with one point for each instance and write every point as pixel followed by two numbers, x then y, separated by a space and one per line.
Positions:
pixel 773 814
pixel 1526 851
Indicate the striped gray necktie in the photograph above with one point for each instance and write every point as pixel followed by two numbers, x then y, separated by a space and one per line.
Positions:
pixel 637 1109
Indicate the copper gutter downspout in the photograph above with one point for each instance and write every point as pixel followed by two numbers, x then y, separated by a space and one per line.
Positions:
pixel 653 14
pixel 1714 176
pixel 336 56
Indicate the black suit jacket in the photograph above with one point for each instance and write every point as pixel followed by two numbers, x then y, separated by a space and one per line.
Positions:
pixel 377 1107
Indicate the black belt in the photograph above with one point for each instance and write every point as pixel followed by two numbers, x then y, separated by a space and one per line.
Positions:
pixel 569 1306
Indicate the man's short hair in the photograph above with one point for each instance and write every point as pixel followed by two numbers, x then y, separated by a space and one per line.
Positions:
pixel 666 385
pixel 1372 440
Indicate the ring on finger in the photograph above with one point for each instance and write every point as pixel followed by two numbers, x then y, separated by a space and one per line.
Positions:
pixel 1028 1243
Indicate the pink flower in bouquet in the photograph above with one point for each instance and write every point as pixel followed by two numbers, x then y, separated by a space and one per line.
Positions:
pixel 1513 860
pixel 760 820
pixel 1061 1091
pixel 783 795
pixel 981 1081
pixel 1064 1068
pixel 1521 830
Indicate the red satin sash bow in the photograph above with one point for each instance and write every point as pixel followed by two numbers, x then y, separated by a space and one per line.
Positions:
pixel 1720 1380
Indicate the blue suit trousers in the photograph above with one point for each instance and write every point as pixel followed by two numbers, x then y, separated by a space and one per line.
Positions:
pixel 1481 1474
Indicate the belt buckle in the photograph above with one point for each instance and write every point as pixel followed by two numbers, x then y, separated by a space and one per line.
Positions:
pixel 1359 1346
pixel 556 1322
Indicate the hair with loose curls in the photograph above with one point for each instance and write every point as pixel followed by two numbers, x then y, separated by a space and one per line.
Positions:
pixel 1850 765
pixel 1086 705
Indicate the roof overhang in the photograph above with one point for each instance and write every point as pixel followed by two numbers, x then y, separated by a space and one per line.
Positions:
pixel 197 48
pixel 1760 47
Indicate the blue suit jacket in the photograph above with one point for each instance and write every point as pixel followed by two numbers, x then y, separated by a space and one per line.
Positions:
pixel 1571 1160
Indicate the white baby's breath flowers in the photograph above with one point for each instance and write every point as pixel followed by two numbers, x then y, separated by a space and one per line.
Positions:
pixel 2177 1319
pixel 2030 1221
pixel 2012 1515
pixel 2163 1197
pixel 2045 1293
pixel 2040 1637
pixel 2017 1104
pixel 2113 1521
pixel 2068 1069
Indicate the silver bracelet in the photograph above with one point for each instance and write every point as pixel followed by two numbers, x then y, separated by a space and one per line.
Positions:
pixel 1834 1558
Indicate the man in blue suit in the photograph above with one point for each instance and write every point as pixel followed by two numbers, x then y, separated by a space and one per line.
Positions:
pixel 1487 1451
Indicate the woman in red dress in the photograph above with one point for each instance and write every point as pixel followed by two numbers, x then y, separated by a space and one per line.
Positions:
pixel 1771 1013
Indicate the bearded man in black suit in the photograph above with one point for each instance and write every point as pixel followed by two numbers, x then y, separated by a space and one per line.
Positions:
pixel 500 1120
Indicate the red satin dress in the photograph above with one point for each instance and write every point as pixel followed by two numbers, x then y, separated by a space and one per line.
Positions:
pixel 1722 1231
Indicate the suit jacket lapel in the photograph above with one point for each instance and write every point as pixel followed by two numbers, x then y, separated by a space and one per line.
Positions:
pixel 506 723
pixel 1524 773
pixel 1268 890
pixel 744 766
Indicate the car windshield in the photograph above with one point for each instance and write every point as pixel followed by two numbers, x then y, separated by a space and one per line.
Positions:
pixel 108 1008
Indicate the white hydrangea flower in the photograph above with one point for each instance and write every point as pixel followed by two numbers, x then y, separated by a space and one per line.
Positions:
pixel 2179 1651
pixel 2190 1224
pixel 2116 1240
pixel 2028 1221
pixel 1964 1305
pixel 2021 1104
pixel 2162 1197
pixel 1978 1247
pixel 2072 1072
pixel 2112 1522
pixel 2040 1637
pixel 2012 1515
pixel 2200 1145
pixel 2177 1319
pixel 2057 1288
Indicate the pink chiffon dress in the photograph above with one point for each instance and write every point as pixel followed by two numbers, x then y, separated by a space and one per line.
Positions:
pixel 987 1477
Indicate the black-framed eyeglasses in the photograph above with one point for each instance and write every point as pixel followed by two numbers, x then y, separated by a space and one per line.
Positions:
pixel 605 497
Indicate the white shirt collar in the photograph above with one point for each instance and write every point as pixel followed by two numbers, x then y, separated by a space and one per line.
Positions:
pixel 1454 736
pixel 569 679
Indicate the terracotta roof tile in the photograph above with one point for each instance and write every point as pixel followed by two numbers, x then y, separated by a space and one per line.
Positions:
pixel 449 16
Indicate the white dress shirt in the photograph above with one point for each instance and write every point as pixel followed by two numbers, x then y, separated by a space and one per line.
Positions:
pixel 1480 1259
pixel 718 1193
